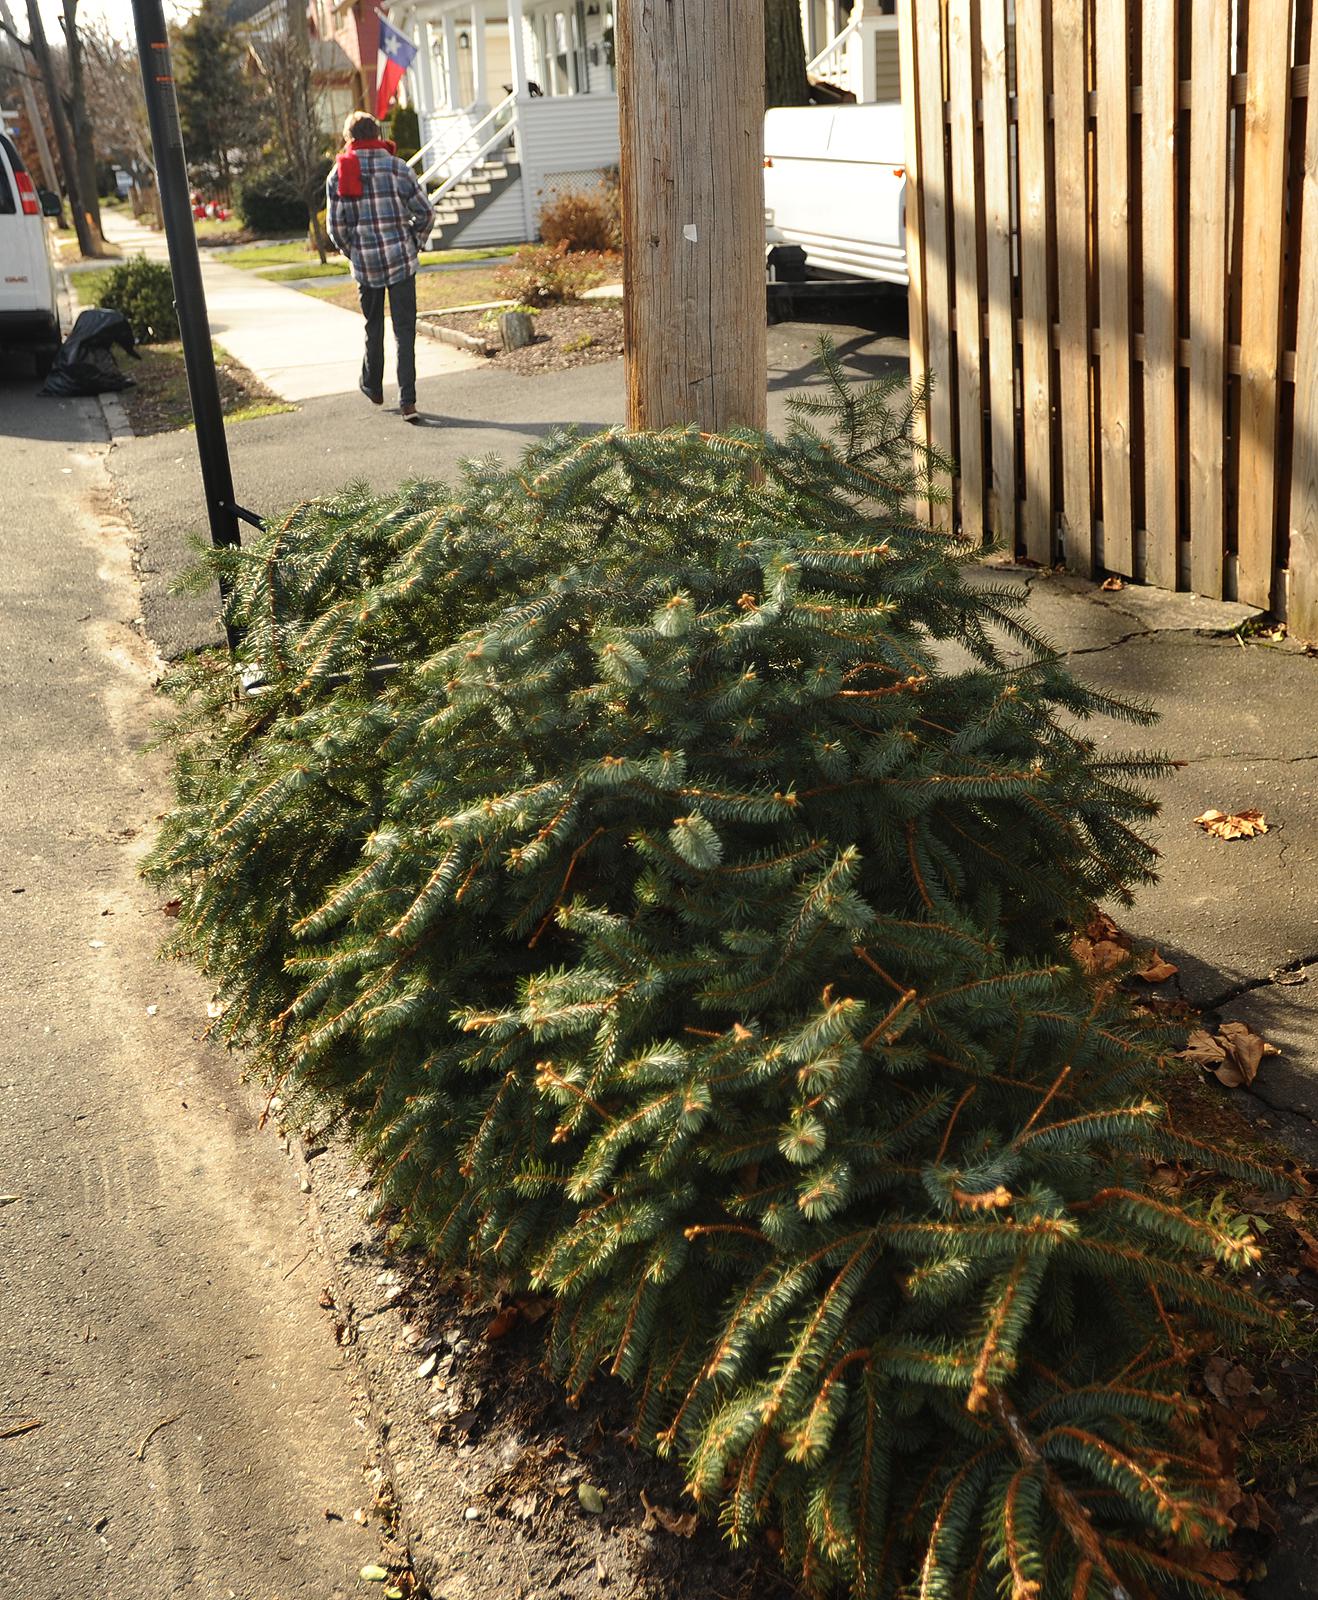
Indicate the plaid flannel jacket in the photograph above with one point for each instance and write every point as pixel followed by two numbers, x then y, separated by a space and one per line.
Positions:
pixel 381 233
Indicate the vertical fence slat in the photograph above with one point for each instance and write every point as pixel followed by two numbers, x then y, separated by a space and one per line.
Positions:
pixel 1159 86
pixel 970 432
pixel 1267 102
pixel 1208 242
pixel 928 81
pixel 1112 243
pixel 919 359
pixel 1302 610
pixel 1036 321
pixel 1070 81
pixel 997 246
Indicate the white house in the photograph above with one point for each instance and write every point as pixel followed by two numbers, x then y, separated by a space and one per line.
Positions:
pixel 517 99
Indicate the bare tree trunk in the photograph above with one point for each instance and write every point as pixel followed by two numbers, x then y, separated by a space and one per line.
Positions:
pixel 38 127
pixel 305 122
pixel 88 242
pixel 84 137
pixel 785 82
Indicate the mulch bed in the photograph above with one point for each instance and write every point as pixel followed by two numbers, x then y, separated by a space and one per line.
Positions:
pixel 575 335
pixel 158 402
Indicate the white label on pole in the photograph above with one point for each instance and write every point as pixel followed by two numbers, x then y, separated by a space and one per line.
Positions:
pixel 689 233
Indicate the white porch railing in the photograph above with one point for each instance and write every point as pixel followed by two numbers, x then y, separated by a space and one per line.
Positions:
pixel 462 168
pixel 830 64
pixel 457 159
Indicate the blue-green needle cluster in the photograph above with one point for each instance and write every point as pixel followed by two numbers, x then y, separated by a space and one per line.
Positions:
pixel 679 924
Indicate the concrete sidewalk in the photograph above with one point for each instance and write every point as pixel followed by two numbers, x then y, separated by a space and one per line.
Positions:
pixel 1238 919
pixel 299 347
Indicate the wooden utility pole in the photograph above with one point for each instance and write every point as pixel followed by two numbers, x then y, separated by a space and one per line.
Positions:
pixel 691 104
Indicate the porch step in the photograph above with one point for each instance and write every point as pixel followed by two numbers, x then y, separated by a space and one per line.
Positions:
pixel 465 201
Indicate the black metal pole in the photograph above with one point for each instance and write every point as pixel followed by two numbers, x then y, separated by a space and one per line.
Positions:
pixel 185 268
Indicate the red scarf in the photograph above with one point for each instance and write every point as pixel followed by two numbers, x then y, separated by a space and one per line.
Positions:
pixel 350 169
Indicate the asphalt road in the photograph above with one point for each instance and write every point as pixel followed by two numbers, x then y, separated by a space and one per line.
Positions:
pixel 156 1259
pixel 280 460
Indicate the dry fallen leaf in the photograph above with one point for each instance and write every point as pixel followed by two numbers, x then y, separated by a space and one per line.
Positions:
pixel 1112 584
pixel 1101 946
pixel 1224 1565
pixel 681 1523
pixel 1156 969
pixel 1227 1381
pixel 1310 1248
pixel 1233 1056
pixel 1232 824
pixel 1168 1175
pixel 534 1307
pixel 502 1323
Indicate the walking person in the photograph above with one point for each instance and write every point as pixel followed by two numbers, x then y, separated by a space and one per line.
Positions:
pixel 378 216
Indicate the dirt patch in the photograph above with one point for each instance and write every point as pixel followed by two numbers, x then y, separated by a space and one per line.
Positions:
pixel 1257 1395
pixel 574 335
pixel 502 1487
pixel 454 286
pixel 159 401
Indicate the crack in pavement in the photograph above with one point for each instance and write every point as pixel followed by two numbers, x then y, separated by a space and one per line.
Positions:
pixel 1271 980
pixel 1280 1105
pixel 1247 755
pixel 1200 630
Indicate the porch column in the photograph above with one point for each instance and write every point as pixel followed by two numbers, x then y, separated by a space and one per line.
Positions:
pixel 452 77
pixel 479 54
pixel 862 64
pixel 548 64
pixel 425 65
pixel 517 45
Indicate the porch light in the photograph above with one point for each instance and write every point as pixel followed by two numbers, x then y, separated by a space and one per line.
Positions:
pixel 464 41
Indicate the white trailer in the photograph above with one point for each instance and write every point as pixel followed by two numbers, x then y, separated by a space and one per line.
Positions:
pixel 835 185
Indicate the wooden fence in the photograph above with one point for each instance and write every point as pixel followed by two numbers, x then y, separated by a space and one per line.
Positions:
pixel 1117 200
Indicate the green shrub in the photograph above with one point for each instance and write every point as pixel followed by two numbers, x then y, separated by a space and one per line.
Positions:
pixel 269 202
pixel 405 131
pixel 543 275
pixel 678 927
pixel 144 291
pixel 584 219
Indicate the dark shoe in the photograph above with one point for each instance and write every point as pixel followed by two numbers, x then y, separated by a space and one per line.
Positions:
pixel 409 413
pixel 375 399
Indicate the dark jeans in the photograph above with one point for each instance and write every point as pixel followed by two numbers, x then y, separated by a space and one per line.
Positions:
pixel 402 313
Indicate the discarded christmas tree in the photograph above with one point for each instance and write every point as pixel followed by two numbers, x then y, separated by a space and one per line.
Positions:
pixel 651 856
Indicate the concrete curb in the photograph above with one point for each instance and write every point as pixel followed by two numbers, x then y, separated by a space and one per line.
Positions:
pixel 453 336
pixel 116 418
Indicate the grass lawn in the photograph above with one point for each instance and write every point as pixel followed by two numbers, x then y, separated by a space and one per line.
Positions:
pixel 210 231
pixel 89 285
pixel 159 403
pixel 283 261
pixel 435 291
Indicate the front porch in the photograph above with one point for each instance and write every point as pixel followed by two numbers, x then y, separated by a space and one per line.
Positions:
pixel 516 99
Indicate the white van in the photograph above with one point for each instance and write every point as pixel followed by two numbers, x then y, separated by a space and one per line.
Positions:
pixel 835 185
pixel 29 310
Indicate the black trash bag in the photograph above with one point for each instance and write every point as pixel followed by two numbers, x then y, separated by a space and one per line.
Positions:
pixel 85 363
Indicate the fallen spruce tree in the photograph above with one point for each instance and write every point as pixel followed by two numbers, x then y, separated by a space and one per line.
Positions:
pixel 678 923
